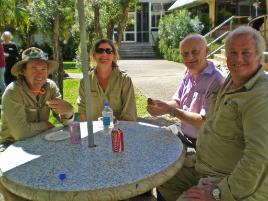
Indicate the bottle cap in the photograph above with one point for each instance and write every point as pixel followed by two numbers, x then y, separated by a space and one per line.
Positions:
pixel 62 176
pixel 106 103
pixel 77 117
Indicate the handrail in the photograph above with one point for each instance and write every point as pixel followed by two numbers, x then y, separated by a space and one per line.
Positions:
pixel 219 26
pixel 218 38
pixel 256 18
pixel 230 19
pixel 262 27
pixel 214 51
pixel 223 23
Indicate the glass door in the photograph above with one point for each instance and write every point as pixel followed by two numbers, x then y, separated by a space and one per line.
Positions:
pixel 129 35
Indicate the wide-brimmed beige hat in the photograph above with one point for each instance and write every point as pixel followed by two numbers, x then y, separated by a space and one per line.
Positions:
pixel 33 53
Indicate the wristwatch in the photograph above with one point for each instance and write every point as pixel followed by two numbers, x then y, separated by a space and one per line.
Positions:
pixel 216 192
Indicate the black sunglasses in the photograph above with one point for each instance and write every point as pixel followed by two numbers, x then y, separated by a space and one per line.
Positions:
pixel 102 50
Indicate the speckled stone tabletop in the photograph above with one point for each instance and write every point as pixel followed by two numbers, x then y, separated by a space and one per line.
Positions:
pixel 152 155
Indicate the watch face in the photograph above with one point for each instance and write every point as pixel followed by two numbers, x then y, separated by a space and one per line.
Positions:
pixel 216 194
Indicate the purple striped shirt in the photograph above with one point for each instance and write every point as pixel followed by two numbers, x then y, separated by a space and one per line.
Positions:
pixel 194 94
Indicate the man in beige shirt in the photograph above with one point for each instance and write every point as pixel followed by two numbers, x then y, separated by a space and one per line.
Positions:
pixel 232 152
pixel 27 102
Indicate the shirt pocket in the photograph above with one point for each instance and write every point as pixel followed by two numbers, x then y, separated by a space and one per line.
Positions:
pixel 32 114
pixel 96 98
pixel 196 103
pixel 44 113
pixel 226 121
pixel 116 104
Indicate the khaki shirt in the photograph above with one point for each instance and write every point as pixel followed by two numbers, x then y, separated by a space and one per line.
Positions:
pixel 233 143
pixel 24 114
pixel 119 92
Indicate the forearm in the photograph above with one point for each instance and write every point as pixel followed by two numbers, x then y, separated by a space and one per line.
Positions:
pixel 173 103
pixel 23 131
pixel 192 118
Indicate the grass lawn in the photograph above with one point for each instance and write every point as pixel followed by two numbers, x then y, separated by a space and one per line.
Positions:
pixel 70 93
pixel 69 67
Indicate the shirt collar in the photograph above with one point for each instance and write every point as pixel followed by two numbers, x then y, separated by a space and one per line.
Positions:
pixel 209 68
pixel 25 86
pixel 251 82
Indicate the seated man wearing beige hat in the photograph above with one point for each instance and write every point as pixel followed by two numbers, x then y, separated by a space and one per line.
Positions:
pixel 27 102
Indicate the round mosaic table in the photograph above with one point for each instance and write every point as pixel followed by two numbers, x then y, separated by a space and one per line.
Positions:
pixel 152 155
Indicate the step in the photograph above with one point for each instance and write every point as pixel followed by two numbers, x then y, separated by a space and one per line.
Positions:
pixel 137 50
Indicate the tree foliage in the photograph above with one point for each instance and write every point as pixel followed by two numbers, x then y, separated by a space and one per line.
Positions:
pixel 14 15
pixel 102 18
pixel 54 18
pixel 172 29
pixel 43 15
pixel 111 14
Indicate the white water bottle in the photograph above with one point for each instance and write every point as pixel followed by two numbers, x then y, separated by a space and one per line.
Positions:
pixel 107 118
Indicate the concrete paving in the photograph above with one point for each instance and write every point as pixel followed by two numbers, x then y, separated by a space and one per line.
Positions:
pixel 157 79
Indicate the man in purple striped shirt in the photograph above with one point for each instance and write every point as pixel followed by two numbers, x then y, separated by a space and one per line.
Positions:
pixel 201 81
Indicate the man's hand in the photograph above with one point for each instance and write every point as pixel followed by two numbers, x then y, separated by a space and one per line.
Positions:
pixel 201 192
pixel 61 107
pixel 158 107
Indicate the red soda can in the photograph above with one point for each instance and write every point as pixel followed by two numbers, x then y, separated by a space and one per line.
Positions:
pixel 117 140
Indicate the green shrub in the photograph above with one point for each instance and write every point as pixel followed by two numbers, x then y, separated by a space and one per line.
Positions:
pixel 172 29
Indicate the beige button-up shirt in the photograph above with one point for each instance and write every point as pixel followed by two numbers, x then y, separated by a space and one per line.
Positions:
pixel 233 143
pixel 119 92
pixel 24 114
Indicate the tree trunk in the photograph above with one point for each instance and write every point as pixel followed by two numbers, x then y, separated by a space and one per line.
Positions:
pixel 59 74
pixel 122 24
pixel 110 29
pixel 97 21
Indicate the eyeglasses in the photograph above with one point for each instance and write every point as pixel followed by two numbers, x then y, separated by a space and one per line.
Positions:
pixel 102 50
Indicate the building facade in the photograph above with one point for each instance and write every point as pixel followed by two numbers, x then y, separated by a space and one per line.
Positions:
pixel 220 10
pixel 143 28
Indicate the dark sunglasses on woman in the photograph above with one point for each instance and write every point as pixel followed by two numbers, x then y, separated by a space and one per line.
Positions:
pixel 102 50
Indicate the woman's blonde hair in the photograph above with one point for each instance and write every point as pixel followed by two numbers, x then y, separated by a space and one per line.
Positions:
pixel 92 53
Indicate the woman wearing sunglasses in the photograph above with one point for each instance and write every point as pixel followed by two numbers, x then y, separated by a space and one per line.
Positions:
pixel 108 83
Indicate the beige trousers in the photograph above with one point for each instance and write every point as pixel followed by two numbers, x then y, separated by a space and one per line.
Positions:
pixel 184 179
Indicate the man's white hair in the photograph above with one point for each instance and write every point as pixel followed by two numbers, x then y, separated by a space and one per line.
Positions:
pixel 247 30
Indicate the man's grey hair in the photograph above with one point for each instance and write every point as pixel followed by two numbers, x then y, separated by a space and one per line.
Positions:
pixel 247 30
pixel 193 36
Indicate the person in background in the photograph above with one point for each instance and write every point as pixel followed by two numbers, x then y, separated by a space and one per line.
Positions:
pixel 232 153
pixel 27 102
pixel 108 83
pixel 201 82
pixel 2 70
pixel 11 55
